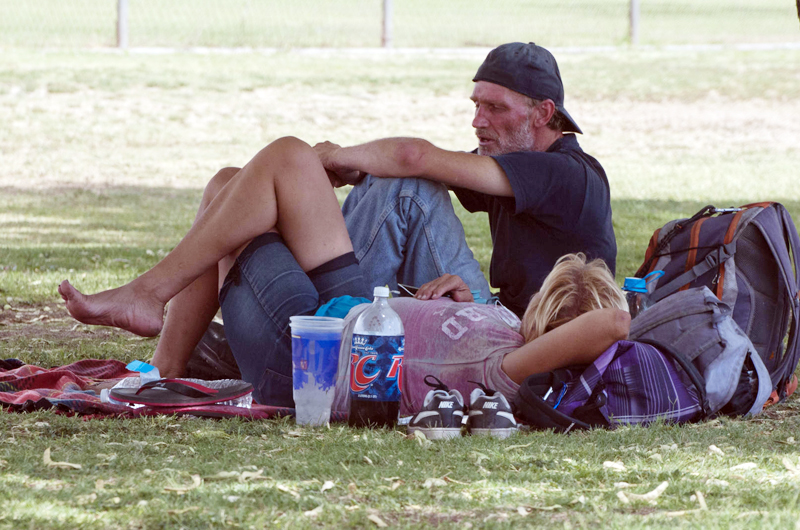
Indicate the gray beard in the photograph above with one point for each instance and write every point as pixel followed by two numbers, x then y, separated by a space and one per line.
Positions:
pixel 523 139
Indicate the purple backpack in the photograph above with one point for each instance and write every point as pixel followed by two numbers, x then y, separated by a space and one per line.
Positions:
pixel 630 383
pixel 690 361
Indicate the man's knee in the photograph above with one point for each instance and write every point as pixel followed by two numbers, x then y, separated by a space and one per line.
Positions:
pixel 411 195
pixel 428 188
pixel 388 187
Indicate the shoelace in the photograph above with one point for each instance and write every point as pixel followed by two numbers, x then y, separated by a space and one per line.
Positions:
pixel 486 390
pixel 438 385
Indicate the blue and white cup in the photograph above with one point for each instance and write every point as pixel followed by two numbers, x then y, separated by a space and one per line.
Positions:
pixel 315 363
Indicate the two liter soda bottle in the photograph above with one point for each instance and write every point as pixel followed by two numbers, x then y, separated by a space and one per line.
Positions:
pixel 376 364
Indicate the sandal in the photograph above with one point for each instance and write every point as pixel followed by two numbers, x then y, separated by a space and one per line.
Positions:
pixel 172 392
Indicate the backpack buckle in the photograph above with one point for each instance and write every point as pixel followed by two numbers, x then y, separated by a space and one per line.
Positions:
pixel 721 255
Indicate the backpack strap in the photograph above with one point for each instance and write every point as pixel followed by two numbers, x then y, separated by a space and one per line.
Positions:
pixel 787 258
pixel 694 244
pixel 707 211
pixel 729 235
pixel 691 371
pixel 531 405
pixel 648 255
pixel 793 342
pixel 590 412
pixel 713 259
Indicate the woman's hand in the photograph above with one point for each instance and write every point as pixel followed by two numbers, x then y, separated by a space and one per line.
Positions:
pixel 337 174
pixel 446 284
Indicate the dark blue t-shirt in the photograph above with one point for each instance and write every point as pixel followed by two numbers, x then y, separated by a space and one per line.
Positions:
pixel 561 205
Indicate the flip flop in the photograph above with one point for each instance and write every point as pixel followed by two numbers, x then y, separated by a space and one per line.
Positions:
pixel 255 412
pixel 178 392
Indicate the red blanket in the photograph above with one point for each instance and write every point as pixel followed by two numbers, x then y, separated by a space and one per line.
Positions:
pixel 71 389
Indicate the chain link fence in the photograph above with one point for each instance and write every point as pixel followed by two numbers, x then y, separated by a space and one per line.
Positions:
pixel 413 23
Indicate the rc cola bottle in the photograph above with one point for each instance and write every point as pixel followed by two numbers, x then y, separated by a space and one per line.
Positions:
pixel 376 364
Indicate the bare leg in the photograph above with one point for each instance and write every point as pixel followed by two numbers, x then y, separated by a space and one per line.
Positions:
pixel 284 188
pixel 192 309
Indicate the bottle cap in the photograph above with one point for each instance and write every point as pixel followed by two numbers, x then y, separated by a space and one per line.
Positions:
pixel 637 285
pixel 381 291
pixel 476 296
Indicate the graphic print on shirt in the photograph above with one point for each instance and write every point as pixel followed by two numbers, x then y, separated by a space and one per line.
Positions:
pixel 455 327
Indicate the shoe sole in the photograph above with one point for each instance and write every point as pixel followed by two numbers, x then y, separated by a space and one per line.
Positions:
pixel 497 433
pixel 437 433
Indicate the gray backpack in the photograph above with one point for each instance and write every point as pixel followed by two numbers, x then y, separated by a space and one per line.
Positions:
pixel 750 259
pixel 696 327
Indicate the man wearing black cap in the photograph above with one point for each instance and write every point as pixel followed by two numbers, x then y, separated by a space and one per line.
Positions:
pixel 545 197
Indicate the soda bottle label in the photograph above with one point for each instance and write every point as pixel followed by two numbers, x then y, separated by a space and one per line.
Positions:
pixel 376 367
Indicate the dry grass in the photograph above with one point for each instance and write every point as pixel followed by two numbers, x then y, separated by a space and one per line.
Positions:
pixel 159 132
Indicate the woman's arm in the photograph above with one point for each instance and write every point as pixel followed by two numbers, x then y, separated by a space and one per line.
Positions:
pixel 579 341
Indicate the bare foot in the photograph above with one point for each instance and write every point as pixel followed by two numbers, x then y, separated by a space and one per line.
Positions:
pixel 123 308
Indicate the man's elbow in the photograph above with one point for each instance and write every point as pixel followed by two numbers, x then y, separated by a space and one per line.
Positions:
pixel 411 156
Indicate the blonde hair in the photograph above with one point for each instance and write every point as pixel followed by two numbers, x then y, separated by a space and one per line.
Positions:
pixel 572 288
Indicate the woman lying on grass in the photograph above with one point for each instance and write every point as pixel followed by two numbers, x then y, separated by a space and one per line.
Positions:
pixel 269 241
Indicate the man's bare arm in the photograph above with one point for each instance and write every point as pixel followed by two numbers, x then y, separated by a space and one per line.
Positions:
pixel 414 157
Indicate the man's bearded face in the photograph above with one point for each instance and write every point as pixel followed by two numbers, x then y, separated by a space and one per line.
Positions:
pixel 502 120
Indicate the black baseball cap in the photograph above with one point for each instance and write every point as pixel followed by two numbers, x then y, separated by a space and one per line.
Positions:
pixel 530 70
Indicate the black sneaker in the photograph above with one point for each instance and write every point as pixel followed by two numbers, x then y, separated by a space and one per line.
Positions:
pixel 490 414
pixel 442 412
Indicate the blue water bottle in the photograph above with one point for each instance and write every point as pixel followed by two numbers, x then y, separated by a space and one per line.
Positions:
pixel 636 292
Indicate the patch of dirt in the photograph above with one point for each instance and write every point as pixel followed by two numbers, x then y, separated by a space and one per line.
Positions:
pixel 48 322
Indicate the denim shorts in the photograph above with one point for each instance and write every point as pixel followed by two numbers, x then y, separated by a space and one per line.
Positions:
pixel 263 289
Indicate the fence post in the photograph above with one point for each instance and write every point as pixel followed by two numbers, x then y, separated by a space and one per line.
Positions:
pixel 122 24
pixel 386 35
pixel 634 22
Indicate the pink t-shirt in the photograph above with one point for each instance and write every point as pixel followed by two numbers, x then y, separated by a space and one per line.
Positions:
pixel 456 342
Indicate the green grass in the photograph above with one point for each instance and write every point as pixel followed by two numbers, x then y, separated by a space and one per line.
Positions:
pixel 103 162
pixel 416 23
pixel 108 236
pixel 276 473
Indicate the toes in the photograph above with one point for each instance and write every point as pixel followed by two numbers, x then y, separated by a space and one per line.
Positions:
pixel 65 290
